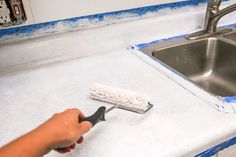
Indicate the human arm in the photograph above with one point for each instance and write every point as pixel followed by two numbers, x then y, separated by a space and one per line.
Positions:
pixel 60 131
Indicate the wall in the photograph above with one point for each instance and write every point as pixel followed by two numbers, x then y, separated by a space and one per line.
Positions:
pixel 51 10
pixel 40 11
pixel 28 11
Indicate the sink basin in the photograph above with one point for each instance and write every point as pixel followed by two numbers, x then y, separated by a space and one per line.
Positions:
pixel 231 36
pixel 209 63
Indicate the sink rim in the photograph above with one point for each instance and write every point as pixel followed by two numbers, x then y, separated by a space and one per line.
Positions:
pixel 228 36
pixel 182 42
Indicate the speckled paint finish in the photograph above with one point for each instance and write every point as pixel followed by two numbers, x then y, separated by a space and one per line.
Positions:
pixel 172 128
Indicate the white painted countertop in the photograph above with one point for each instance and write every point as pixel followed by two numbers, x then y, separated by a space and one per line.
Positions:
pixel 180 124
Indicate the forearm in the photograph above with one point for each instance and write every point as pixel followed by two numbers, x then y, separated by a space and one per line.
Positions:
pixel 61 133
pixel 34 144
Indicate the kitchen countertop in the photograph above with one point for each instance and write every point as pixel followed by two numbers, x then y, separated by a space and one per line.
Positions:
pixel 179 124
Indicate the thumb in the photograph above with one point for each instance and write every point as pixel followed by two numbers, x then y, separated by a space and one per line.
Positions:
pixel 85 127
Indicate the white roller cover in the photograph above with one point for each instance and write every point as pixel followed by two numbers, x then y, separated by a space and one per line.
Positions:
pixel 120 97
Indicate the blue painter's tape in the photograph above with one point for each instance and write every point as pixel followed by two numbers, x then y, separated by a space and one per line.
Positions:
pixel 143 45
pixel 229 99
pixel 217 148
pixel 28 30
pixel 224 145
pixel 230 25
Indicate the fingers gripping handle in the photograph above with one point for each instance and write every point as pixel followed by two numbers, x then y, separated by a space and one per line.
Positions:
pixel 98 116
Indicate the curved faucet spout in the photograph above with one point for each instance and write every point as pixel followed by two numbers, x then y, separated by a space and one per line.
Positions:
pixel 213 20
pixel 213 15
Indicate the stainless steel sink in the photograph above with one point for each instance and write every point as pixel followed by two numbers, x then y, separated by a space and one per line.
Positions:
pixel 231 36
pixel 209 63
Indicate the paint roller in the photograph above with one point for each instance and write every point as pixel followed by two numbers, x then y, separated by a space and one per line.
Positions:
pixel 120 98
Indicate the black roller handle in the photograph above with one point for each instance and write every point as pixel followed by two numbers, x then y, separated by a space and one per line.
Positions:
pixel 98 116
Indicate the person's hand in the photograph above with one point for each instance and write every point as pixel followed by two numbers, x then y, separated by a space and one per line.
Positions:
pixel 64 130
pixel 61 133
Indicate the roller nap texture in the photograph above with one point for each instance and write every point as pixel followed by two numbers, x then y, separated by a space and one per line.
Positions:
pixel 122 98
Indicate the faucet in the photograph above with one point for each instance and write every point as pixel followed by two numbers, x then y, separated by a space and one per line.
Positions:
pixel 213 15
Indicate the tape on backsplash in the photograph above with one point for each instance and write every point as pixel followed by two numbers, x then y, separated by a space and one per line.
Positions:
pixel 90 21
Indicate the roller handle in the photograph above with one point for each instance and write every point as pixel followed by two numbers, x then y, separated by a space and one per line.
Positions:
pixel 98 116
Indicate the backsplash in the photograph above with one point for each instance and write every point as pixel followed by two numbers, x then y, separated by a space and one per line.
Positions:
pixel 38 23
pixel 44 10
